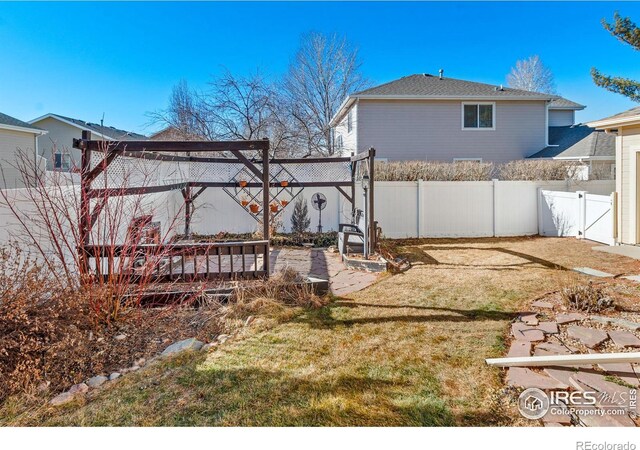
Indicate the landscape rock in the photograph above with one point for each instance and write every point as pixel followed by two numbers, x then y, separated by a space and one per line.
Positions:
pixel 624 339
pixel 114 376
pixel 97 381
pixel 62 399
pixel 550 349
pixel 184 345
pixel 80 388
pixel 561 374
pixel 526 378
pixel 570 317
pixel 140 362
pixel 548 327
pixel 523 332
pixel 529 318
pixel 542 304
pixel 120 337
pixel 614 321
pixel 624 371
pixel 519 349
pixel 588 336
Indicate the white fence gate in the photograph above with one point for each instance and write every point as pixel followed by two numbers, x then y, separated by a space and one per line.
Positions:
pixel 578 214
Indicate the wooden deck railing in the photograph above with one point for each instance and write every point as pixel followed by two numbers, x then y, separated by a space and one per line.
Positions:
pixel 180 261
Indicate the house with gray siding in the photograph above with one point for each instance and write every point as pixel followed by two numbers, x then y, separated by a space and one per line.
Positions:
pixel 18 148
pixel 56 146
pixel 436 118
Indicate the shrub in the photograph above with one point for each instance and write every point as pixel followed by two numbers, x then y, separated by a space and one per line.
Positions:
pixel 526 170
pixel 43 327
pixel 300 219
pixel 433 171
pixel 587 298
pixel 532 169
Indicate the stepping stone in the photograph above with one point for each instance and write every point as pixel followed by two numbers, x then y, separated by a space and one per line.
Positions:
pixel 592 272
pixel 614 321
pixel 522 377
pixel 624 339
pixel 561 374
pixel 551 424
pixel 550 349
pixel 600 384
pixel 624 371
pixel 548 327
pixel 588 336
pixel 570 317
pixel 529 318
pixel 556 418
pixel 541 304
pixel 523 332
pixel 590 419
pixel 519 349
pixel 635 278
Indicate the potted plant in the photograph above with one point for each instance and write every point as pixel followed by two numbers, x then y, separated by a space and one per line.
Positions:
pixel 242 183
pixel 254 207
pixel 244 202
pixel 284 183
pixel 284 203
pixel 274 207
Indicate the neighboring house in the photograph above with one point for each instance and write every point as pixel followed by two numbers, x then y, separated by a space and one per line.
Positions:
pixel 174 134
pixel 56 146
pixel 626 129
pixel 18 145
pixel 427 117
pixel 583 144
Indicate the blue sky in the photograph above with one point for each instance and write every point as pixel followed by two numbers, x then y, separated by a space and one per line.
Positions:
pixel 121 59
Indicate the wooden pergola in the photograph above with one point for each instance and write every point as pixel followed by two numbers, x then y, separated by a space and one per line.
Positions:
pixel 252 155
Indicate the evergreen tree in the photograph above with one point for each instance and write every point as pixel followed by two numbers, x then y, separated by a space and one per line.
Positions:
pixel 626 31
pixel 300 219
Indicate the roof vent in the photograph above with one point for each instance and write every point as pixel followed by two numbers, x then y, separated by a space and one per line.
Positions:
pixel 441 72
pixel 499 88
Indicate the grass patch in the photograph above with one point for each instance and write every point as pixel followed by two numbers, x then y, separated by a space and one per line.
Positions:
pixel 407 351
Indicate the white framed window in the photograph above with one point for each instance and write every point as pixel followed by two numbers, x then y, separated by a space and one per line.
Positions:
pixel 455 160
pixel 62 161
pixel 349 121
pixel 478 116
pixel 339 142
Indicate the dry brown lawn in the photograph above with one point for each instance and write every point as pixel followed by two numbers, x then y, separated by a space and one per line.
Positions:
pixel 408 350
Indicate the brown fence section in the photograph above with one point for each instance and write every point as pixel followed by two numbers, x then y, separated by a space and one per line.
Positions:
pixel 180 262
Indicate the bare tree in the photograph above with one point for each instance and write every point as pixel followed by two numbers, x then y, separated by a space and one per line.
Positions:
pixel 532 75
pixel 325 70
pixel 233 108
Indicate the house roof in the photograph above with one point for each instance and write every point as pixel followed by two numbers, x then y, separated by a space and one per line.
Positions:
pixel 106 132
pixel 427 86
pixel 12 123
pixel 628 117
pixel 563 103
pixel 578 141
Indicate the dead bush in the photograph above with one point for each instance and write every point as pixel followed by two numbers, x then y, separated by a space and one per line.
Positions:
pixel 44 327
pixel 587 298
pixel 434 171
pixel 532 169
pixel 521 170
pixel 284 289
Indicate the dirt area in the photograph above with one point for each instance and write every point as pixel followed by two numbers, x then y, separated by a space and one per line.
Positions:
pixel 407 350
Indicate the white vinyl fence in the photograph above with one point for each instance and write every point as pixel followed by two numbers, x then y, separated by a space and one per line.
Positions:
pixel 578 214
pixel 402 209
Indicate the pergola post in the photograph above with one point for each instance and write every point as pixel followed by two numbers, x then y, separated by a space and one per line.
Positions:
pixel 266 182
pixel 372 221
pixel 353 190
